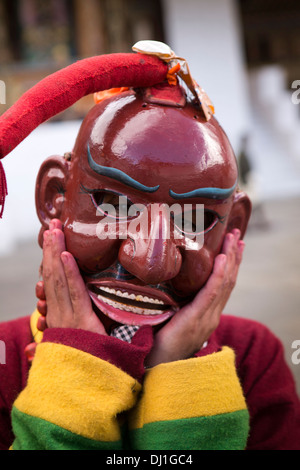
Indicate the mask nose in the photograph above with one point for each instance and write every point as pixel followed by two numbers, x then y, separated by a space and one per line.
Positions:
pixel 151 254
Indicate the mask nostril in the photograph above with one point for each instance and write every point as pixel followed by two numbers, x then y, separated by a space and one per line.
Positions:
pixel 122 273
pixel 134 248
pixel 127 248
pixel 176 259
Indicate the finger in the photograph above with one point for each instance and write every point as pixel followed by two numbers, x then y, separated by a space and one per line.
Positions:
pixel 230 248
pixel 234 269
pixel 237 233
pixel 239 246
pixel 40 291
pixel 201 312
pixel 55 224
pixel 239 256
pixel 79 296
pixel 42 307
pixel 41 324
pixel 231 271
pixel 48 272
pixel 231 239
pixel 59 277
pixel 210 293
pixel 84 316
pixel 233 247
pixel 215 292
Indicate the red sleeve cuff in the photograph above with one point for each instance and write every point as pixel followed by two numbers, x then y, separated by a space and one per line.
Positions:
pixel 127 357
pixel 211 347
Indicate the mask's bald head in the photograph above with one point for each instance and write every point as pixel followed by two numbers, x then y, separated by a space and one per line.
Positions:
pixel 150 154
pixel 129 132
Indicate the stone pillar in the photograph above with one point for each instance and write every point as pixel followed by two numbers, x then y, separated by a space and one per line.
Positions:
pixel 207 34
pixel 90 30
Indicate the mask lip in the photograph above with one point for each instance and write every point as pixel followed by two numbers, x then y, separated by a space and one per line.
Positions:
pixel 130 318
pixel 131 288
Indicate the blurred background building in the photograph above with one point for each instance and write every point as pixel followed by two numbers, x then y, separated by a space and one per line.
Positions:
pixel 244 53
pixel 38 37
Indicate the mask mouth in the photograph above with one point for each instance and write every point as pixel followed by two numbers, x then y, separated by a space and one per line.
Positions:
pixel 132 304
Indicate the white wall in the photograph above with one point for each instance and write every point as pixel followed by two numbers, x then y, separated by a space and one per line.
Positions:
pixel 207 34
pixel 21 166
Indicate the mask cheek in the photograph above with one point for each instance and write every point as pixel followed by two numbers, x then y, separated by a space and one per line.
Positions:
pixel 195 270
pixel 91 252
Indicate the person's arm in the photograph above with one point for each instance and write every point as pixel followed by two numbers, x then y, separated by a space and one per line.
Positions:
pixel 15 335
pixel 192 404
pixel 186 332
pixel 270 390
pixel 79 385
pixel 81 380
pixel 66 301
pixel 192 398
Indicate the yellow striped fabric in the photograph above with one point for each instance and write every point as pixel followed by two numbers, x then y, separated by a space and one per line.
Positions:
pixel 210 382
pixel 37 334
pixel 86 393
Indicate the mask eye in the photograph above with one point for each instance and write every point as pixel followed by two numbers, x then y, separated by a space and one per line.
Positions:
pixel 115 206
pixel 196 221
pixel 211 219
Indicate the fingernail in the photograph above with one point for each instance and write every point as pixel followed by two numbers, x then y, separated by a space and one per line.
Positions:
pixel 222 258
pixel 241 245
pixel 230 236
pixel 47 237
pixel 64 258
pixel 41 324
pixel 39 288
pixel 42 307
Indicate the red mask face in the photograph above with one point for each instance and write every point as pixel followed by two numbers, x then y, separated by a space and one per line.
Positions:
pixel 140 270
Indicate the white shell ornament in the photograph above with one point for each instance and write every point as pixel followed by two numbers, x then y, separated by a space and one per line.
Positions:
pixel 160 49
pixel 165 53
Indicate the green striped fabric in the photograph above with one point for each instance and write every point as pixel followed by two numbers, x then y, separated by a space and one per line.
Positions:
pixel 38 434
pixel 228 431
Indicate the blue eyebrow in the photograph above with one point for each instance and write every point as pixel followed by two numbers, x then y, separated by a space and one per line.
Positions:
pixel 118 175
pixel 210 193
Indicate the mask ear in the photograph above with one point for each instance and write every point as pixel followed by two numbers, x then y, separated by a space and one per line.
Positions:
pixel 240 213
pixel 50 191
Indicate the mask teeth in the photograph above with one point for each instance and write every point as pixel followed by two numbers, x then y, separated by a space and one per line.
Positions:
pixel 126 295
pixel 130 308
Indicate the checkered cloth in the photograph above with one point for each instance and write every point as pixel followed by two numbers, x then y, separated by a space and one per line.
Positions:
pixel 124 332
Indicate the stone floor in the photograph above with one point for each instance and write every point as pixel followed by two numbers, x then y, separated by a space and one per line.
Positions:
pixel 268 288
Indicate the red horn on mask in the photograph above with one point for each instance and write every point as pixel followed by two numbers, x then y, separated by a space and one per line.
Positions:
pixel 61 89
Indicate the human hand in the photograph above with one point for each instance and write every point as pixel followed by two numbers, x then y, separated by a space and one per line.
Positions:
pixel 64 301
pixel 192 325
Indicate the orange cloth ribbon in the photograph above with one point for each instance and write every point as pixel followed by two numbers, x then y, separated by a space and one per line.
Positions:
pixel 103 95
